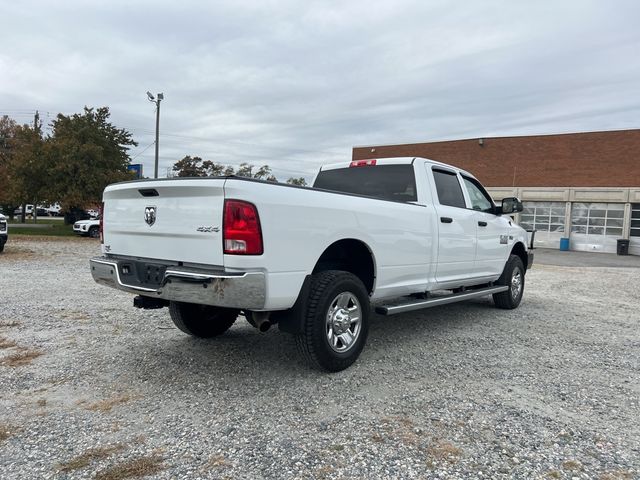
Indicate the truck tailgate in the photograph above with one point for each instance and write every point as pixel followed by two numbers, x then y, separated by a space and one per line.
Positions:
pixel 176 220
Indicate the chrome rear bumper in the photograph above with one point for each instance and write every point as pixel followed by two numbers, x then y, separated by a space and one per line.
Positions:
pixel 246 290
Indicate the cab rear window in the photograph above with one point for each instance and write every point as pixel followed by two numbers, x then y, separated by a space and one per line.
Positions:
pixel 387 182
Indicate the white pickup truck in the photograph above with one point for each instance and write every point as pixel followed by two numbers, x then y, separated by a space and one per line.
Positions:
pixel 400 234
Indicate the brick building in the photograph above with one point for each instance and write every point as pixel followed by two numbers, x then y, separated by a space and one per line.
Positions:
pixel 585 186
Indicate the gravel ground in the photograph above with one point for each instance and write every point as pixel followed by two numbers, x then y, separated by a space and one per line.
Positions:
pixel 94 388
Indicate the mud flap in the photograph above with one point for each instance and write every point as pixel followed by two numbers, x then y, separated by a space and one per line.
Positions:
pixel 291 321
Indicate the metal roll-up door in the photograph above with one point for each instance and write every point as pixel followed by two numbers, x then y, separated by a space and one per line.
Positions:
pixel 596 226
pixel 547 218
pixel 634 233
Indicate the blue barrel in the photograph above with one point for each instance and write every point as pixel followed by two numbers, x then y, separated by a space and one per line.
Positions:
pixel 564 244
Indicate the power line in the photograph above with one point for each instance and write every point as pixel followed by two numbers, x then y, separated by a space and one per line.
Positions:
pixel 144 150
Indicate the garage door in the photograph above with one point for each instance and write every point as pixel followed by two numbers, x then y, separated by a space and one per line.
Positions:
pixel 634 233
pixel 547 218
pixel 596 226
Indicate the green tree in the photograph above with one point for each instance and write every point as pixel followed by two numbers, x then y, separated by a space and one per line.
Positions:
pixel 8 128
pixel 196 167
pixel 86 153
pixel 190 167
pixel 300 181
pixel 22 163
pixel 263 173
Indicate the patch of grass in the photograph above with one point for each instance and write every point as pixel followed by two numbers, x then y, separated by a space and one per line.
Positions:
pixel 9 323
pixel 17 253
pixel 219 461
pixel 553 474
pixel 326 471
pixel 74 315
pixel 336 448
pixel 616 475
pixel 42 402
pixel 136 468
pixel 6 343
pixel 572 465
pixel 24 357
pixel 5 432
pixel 90 456
pixel 47 227
pixel 446 451
pixel 108 404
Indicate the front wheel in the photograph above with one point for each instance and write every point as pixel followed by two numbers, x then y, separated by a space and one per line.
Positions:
pixel 336 321
pixel 203 321
pixel 94 232
pixel 513 277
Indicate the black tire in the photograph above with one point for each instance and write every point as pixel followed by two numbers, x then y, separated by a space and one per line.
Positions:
pixel 1 247
pixel 313 343
pixel 94 232
pixel 202 321
pixel 511 298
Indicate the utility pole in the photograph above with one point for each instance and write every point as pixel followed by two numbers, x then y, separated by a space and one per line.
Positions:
pixel 152 99
pixel 36 129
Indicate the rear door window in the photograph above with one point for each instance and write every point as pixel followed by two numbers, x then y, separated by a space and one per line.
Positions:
pixel 448 188
pixel 387 182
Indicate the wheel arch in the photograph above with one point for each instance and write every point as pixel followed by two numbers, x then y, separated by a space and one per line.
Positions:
pixel 520 250
pixel 351 255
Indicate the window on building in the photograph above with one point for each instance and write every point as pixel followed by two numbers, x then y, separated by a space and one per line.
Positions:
pixel 449 190
pixel 480 200
pixel 635 220
pixel 543 216
pixel 597 219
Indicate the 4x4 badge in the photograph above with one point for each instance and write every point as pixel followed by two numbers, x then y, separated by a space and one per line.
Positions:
pixel 150 215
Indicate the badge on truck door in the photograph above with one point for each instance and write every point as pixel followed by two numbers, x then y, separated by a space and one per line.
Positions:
pixel 504 239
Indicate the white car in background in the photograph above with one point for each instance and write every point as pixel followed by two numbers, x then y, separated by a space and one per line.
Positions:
pixel 4 231
pixel 87 228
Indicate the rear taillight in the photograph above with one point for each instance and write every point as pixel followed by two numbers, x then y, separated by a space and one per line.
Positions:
pixel 363 163
pixel 100 228
pixel 242 234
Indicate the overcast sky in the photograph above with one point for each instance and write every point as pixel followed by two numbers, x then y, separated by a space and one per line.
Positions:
pixel 298 83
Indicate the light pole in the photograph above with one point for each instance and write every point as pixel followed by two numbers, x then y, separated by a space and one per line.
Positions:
pixel 152 99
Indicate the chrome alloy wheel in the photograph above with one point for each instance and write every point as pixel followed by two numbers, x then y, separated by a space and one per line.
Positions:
pixel 344 319
pixel 516 283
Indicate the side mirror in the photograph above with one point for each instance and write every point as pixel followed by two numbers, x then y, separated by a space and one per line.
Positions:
pixel 511 205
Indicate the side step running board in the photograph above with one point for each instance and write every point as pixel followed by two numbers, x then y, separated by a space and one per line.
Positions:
pixel 435 301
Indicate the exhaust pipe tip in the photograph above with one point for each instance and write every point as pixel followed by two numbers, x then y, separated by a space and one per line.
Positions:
pixel 259 320
pixel 264 326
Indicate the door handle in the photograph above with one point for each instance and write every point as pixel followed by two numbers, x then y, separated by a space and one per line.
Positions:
pixel 446 219
pixel 482 224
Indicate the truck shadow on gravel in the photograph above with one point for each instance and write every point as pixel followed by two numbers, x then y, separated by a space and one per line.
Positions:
pixel 245 353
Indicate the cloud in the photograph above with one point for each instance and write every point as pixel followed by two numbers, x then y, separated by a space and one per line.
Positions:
pixel 297 84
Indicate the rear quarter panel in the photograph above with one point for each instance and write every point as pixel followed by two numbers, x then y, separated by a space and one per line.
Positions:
pixel 299 224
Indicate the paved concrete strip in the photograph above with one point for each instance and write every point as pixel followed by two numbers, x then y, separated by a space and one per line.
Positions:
pixel 549 256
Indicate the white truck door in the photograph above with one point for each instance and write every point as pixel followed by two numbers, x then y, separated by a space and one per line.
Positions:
pixel 456 228
pixel 492 231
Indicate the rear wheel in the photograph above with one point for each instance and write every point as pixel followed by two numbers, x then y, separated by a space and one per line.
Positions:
pixel 203 321
pixel 336 321
pixel 512 277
